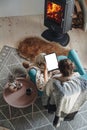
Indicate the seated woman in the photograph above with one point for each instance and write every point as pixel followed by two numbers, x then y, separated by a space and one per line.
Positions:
pixel 39 67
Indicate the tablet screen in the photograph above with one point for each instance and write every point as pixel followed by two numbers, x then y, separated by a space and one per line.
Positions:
pixel 51 61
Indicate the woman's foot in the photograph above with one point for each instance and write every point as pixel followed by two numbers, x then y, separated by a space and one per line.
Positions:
pixel 56 122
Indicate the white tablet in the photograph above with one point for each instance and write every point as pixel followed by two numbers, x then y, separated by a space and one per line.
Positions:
pixel 51 61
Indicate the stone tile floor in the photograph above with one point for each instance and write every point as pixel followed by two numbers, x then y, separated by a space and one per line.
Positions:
pixel 11 63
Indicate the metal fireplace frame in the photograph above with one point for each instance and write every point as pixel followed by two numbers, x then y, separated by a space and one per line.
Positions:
pixel 58 32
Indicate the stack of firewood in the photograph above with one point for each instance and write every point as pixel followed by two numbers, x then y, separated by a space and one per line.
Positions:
pixel 77 20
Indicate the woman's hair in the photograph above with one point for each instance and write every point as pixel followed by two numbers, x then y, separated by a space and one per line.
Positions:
pixel 66 67
pixel 40 59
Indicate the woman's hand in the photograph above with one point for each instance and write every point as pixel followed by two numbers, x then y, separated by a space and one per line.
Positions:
pixel 25 65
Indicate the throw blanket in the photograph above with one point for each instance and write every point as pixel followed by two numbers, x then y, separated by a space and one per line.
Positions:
pixel 67 96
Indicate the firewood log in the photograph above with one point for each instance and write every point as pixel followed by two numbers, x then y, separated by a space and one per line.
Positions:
pixel 77 19
pixel 78 8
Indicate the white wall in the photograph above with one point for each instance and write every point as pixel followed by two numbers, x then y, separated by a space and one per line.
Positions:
pixel 21 7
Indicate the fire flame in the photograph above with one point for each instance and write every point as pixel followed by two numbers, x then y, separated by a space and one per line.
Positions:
pixel 55 11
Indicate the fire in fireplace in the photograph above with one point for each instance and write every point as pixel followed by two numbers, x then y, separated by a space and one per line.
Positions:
pixel 58 19
pixel 54 12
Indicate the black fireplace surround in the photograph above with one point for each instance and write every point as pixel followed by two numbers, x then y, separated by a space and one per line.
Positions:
pixel 58 19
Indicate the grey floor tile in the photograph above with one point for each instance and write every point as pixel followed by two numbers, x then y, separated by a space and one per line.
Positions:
pixel 2 117
pixel 0 63
pixel 37 120
pixel 38 102
pixel 83 128
pixel 30 129
pixel 2 101
pixel 64 126
pixel 21 123
pixel 29 109
pixel 49 116
pixel 84 107
pixel 14 112
pixel 3 82
pixel 5 111
pixel 78 122
pixel 47 127
pixel 84 115
pixel 1 89
pixel 6 124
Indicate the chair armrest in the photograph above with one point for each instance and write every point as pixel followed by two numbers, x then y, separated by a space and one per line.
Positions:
pixel 84 76
pixel 61 57
pixel 32 74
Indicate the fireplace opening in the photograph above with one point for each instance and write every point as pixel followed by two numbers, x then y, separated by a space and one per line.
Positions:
pixel 54 12
pixel 58 19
